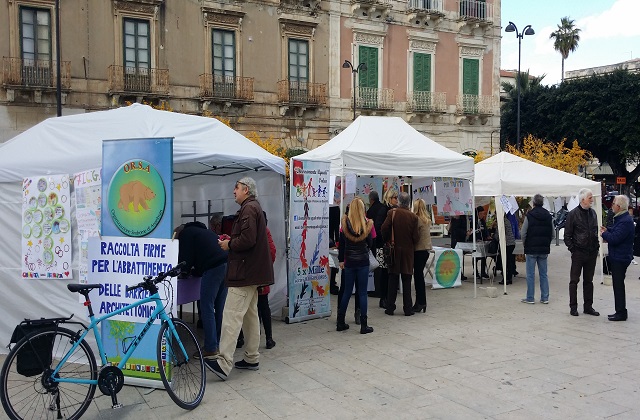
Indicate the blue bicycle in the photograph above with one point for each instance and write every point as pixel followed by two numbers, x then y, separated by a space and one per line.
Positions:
pixel 51 372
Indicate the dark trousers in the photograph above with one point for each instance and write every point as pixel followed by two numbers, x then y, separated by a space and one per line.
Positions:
pixel 342 289
pixel 419 262
pixel 407 302
pixel 586 264
pixel 511 262
pixel 383 281
pixel 264 314
pixel 618 272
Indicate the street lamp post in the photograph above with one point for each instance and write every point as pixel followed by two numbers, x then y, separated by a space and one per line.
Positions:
pixel 58 67
pixel 354 70
pixel 528 30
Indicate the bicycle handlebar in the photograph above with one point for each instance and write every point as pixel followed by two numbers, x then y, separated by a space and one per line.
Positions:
pixel 148 281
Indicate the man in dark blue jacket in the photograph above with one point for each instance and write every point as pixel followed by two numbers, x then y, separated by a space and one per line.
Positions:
pixel 619 237
pixel 200 250
pixel 537 234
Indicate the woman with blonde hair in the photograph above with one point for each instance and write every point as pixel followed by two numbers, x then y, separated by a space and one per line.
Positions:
pixel 353 254
pixel 421 254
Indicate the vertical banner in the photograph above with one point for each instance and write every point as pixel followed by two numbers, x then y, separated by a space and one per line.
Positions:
pixel 46 227
pixel 87 189
pixel 447 268
pixel 308 280
pixel 115 263
pixel 454 196
pixel 137 187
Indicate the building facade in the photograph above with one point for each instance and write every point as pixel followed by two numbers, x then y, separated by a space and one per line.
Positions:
pixel 274 67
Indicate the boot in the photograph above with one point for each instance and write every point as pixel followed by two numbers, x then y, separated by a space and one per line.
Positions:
pixel 340 324
pixel 364 329
pixel 356 316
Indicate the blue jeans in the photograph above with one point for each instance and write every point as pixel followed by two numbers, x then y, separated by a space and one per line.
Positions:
pixel 351 276
pixel 541 260
pixel 213 294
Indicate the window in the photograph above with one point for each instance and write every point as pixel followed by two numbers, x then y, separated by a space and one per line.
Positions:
pixel 368 79
pixel 298 70
pixel 470 85
pixel 224 63
pixel 422 81
pixel 35 46
pixel 137 55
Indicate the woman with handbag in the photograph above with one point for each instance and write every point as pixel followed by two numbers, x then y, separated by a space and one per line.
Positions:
pixel 421 254
pixel 353 255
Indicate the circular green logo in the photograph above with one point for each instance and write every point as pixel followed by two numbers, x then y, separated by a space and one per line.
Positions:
pixel 447 268
pixel 137 198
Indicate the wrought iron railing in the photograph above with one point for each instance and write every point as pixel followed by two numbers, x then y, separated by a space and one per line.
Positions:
pixel 421 101
pixel 226 87
pixel 475 10
pixel 428 6
pixel 294 92
pixel 35 73
pixel 475 104
pixel 138 80
pixel 374 98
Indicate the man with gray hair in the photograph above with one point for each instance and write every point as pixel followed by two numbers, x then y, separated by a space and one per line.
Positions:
pixel 248 268
pixel 619 237
pixel 581 237
pixel 537 234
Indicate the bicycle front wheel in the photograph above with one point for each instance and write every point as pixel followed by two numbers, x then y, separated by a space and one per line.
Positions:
pixel 27 389
pixel 183 375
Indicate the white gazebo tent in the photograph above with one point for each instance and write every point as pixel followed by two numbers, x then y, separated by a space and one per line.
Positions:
pixel 209 158
pixel 507 174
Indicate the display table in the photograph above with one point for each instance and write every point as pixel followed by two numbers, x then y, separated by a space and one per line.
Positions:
pixel 447 268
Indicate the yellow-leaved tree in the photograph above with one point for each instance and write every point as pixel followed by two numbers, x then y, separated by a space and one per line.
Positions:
pixel 553 155
pixel 272 146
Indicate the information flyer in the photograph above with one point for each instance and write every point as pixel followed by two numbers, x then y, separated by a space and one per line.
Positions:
pixel 87 190
pixel 309 227
pixel 46 227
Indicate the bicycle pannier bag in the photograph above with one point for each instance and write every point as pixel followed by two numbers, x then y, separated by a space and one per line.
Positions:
pixel 33 358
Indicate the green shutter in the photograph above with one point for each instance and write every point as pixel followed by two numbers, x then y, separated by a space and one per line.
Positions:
pixel 369 56
pixel 470 76
pixel 421 72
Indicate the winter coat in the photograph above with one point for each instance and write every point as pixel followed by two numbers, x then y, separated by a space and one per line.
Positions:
pixel 406 235
pixel 424 235
pixel 249 257
pixel 581 231
pixel 377 212
pixel 539 232
pixel 619 237
pixel 198 247
pixel 354 247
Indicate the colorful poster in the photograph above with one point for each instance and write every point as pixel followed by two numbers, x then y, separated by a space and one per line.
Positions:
pixel 454 196
pixel 137 187
pixel 447 268
pixel 87 189
pixel 115 263
pixel 423 188
pixel 392 182
pixel 309 227
pixel 46 227
pixel 366 184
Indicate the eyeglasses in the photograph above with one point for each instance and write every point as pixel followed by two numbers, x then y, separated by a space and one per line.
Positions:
pixel 395 196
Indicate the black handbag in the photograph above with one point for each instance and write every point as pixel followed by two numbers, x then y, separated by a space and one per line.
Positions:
pixel 492 247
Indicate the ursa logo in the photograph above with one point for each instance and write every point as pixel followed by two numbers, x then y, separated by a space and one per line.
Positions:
pixel 137 198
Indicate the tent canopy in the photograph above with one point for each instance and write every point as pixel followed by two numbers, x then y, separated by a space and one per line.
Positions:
pixel 507 174
pixel 74 143
pixel 389 146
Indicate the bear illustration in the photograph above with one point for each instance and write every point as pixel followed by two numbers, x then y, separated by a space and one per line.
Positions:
pixel 137 193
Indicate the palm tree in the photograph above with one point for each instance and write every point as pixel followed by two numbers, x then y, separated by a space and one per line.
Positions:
pixel 566 39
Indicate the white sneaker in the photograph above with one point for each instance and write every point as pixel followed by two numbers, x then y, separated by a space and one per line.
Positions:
pixel 634 262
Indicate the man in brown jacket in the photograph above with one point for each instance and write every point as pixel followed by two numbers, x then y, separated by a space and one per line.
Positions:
pixel 249 266
pixel 404 226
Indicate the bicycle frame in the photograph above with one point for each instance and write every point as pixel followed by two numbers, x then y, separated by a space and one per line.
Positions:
pixel 158 312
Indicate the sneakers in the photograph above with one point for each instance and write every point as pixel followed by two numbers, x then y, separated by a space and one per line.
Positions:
pixel 242 364
pixel 213 366
pixel 546 302
pixel 206 354
pixel 527 301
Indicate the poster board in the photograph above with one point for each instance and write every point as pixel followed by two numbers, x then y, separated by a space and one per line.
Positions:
pixel 447 268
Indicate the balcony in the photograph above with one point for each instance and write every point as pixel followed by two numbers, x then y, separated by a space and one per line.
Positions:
pixel 300 95
pixel 372 8
pixel 427 102
pixel 473 107
pixel 141 82
pixel 35 74
pixel 368 98
pixel 477 13
pixel 428 9
pixel 226 88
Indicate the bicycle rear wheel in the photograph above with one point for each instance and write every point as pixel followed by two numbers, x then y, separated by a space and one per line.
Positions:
pixel 183 375
pixel 30 392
